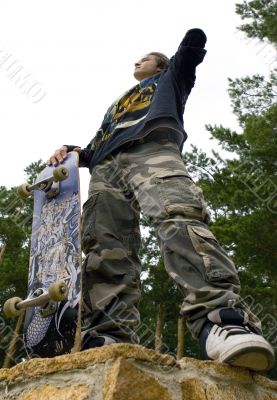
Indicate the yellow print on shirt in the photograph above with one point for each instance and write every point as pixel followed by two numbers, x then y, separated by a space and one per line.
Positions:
pixel 131 102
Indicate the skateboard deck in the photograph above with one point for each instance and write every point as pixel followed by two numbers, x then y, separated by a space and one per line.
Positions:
pixel 55 256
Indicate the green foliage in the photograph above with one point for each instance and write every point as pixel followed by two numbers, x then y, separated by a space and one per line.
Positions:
pixel 159 289
pixel 15 229
pixel 252 96
pixel 243 189
pixel 261 16
pixel 16 216
pixel 33 170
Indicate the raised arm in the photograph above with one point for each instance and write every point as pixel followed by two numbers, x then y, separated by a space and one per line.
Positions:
pixel 190 53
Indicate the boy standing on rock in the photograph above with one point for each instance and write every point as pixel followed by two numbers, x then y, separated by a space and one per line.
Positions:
pixel 136 166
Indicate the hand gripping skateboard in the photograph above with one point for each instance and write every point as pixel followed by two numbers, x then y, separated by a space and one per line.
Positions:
pixel 54 283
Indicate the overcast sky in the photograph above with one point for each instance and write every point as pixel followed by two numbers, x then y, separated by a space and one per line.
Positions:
pixel 78 56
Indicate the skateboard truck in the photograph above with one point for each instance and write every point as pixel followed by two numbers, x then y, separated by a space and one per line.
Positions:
pixel 49 185
pixel 45 298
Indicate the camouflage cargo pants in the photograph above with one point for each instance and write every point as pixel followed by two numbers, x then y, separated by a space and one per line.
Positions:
pixel 150 178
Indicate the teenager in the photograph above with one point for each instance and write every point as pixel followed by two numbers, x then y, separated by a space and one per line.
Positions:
pixel 136 167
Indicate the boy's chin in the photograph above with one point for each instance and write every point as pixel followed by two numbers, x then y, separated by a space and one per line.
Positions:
pixel 138 76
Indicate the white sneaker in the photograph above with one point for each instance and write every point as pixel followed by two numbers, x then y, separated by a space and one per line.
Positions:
pixel 236 345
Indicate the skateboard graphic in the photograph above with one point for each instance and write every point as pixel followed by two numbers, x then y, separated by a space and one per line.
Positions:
pixel 54 282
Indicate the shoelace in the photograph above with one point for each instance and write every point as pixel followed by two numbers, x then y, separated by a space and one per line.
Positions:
pixel 229 330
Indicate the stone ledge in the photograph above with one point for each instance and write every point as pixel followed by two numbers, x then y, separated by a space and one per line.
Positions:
pixel 43 366
pixel 49 392
pixel 218 370
pixel 131 372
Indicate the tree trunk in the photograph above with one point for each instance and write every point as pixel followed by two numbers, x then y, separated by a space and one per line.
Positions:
pixel 2 251
pixel 12 345
pixel 181 337
pixel 159 327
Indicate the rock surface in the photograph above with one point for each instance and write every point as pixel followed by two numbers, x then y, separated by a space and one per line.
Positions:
pixel 130 372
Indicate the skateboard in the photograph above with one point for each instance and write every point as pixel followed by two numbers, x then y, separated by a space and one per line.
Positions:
pixel 54 283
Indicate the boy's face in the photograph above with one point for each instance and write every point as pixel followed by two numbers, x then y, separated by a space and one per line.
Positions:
pixel 146 67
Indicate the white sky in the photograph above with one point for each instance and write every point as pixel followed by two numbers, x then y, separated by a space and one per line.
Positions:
pixel 81 54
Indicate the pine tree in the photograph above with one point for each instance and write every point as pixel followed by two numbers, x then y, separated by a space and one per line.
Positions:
pixel 15 230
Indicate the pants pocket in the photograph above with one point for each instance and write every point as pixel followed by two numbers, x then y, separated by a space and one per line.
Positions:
pixel 219 268
pixel 88 221
pixel 179 195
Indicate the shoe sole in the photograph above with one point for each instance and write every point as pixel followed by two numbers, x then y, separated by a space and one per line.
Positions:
pixel 255 358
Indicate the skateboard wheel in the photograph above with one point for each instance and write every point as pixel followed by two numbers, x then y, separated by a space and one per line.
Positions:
pixel 10 309
pixel 58 291
pixel 60 173
pixel 23 190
